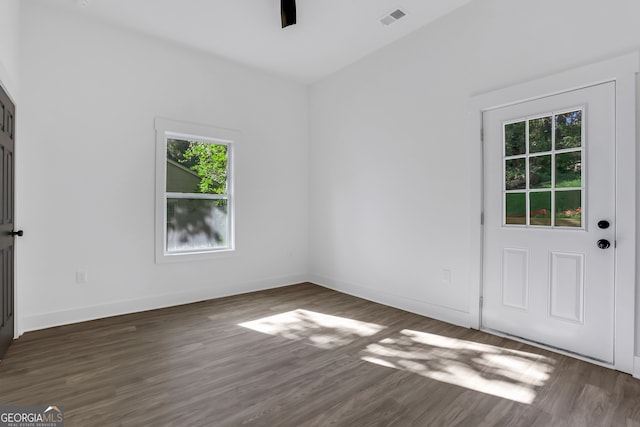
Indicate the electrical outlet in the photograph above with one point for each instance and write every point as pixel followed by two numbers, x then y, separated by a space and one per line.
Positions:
pixel 82 276
pixel 446 276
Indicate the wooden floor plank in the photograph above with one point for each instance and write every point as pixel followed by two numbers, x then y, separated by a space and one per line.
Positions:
pixel 304 355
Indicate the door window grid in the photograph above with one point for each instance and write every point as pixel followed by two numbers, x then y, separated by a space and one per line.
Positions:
pixel 557 202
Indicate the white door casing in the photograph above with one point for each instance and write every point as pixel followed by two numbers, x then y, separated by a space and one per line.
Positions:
pixel 622 72
pixel 545 279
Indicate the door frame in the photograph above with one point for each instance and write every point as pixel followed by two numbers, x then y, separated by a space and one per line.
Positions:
pixel 622 71
pixel 10 95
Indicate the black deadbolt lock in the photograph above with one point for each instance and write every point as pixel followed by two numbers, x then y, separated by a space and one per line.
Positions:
pixel 603 224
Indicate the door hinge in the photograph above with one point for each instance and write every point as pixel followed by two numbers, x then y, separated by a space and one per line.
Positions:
pixel 482 134
pixel 481 218
pixel 481 301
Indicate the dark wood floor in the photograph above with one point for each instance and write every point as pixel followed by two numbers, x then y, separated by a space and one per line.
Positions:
pixel 304 356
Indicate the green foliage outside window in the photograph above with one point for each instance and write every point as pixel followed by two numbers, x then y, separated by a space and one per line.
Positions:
pixel 208 161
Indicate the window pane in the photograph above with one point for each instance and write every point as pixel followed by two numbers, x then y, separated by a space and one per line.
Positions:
pixel 540 208
pixel 569 130
pixel 180 179
pixel 516 208
pixel 197 224
pixel 569 208
pixel 569 169
pixel 514 174
pixel 540 135
pixel 196 167
pixel 514 139
pixel 540 172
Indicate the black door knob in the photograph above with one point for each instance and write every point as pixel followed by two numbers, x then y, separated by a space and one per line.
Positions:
pixel 603 224
pixel 18 233
pixel 603 243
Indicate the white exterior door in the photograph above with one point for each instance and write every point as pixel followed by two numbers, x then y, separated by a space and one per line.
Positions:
pixel 549 227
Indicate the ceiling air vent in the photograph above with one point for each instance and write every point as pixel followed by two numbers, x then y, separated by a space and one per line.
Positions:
pixel 393 16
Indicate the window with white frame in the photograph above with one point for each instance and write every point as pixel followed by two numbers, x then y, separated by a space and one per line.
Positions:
pixel 544 169
pixel 194 197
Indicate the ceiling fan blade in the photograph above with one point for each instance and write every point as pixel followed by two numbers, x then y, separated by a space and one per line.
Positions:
pixel 288 12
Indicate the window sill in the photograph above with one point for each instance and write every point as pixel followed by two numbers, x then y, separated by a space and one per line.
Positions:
pixel 195 256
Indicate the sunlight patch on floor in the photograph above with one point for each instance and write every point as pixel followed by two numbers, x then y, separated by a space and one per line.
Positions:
pixel 321 330
pixel 506 373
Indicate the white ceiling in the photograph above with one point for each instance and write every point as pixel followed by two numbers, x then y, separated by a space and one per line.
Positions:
pixel 329 35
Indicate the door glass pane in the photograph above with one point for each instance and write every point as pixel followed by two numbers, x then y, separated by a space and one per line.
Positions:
pixel 569 130
pixel 569 208
pixel 540 208
pixel 516 208
pixel 569 169
pixel 197 224
pixel 514 174
pixel 540 135
pixel 530 165
pixel 515 138
pixel 540 172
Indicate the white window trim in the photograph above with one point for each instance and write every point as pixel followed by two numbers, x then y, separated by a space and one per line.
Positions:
pixel 177 129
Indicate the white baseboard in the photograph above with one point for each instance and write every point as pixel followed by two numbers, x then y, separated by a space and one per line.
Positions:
pixel 83 314
pixel 412 305
pixel 636 367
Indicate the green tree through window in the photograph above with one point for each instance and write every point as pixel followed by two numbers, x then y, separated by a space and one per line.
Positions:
pixel 208 161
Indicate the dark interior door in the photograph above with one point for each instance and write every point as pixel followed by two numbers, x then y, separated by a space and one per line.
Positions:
pixel 7 134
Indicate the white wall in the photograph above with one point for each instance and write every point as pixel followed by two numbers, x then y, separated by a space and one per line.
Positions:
pixel 9 18
pixel 390 183
pixel 86 169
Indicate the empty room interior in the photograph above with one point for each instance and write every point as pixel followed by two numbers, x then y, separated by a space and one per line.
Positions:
pixel 314 213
